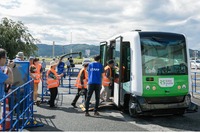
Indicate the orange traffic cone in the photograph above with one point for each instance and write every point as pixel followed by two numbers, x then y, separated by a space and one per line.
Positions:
pixel 8 118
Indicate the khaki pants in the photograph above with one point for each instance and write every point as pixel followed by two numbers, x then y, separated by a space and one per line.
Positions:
pixel 105 93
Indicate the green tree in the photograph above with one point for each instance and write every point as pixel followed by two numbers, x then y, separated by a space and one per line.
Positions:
pixel 15 37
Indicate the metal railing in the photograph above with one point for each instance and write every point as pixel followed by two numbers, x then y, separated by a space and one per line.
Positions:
pixel 195 77
pixel 17 111
pixel 70 76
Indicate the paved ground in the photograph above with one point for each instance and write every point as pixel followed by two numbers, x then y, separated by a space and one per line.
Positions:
pixel 66 118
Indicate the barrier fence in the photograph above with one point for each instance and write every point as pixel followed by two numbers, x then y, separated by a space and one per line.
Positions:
pixel 66 82
pixel 17 112
pixel 195 77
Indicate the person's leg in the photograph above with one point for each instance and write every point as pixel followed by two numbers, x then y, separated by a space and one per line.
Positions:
pixel 55 94
pixel 97 96
pixel 76 97
pixel 52 96
pixel 107 93
pixel 85 93
pixel 61 80
pixel 89 95
pixel 102 93
pixel 35 92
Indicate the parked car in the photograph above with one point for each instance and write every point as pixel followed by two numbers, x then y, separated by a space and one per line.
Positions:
pixel 86 60
pixel 195 64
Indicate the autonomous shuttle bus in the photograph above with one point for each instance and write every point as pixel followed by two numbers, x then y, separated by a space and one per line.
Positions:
pixel 152 75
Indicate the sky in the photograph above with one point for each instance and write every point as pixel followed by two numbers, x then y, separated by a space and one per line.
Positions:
pixel 94 21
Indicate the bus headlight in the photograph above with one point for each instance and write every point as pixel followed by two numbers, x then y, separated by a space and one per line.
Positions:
pixel 179 87
pixel 148 87
pixel 154 88
pixel 184 86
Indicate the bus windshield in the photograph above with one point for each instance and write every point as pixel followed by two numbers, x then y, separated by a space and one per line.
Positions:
pixel 163 54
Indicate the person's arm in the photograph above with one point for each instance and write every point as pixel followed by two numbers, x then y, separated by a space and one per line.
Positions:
pixel 10 76
pixel 107 73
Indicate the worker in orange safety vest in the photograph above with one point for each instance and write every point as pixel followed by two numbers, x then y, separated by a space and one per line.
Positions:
pixel 107 81
pixel 53 82
pixel 35 70
pixel 81 84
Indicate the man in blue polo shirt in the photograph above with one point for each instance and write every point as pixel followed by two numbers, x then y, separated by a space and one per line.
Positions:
pixel 4 78
pixel 95 70
pixel 61 70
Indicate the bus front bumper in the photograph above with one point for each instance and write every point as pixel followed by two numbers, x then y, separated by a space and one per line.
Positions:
pixel 143 105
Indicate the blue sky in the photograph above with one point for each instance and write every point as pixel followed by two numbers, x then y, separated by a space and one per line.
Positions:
pixel 93 21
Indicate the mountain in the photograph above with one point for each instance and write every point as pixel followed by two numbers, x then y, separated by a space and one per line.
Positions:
pixel 47 50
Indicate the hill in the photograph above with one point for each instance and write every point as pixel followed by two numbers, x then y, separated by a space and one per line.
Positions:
pixel 46 50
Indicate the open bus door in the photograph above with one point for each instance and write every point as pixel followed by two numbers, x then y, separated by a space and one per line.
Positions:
pixel 121 55
pixel 118 61
pixel 103 53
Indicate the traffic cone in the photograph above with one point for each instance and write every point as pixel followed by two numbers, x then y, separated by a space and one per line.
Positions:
pixel 8 118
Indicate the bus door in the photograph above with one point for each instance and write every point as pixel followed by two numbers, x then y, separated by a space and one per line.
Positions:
pixel 125 73
pixel 103 53
pixel 117 57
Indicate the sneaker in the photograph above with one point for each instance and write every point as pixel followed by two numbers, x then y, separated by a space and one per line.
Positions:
pixel 38 103
pixel 87 114
pixel 96 113
pixel 74 105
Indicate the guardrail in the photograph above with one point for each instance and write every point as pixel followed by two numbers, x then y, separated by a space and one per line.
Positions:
pixel 195 77
pixel 17 111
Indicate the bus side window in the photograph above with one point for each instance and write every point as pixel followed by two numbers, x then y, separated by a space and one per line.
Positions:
pixel 126 62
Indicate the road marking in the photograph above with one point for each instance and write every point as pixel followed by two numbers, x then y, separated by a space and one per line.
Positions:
pixel 144 124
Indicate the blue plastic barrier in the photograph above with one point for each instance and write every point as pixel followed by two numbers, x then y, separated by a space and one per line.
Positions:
pixel 195 85
pixel 20 109
pixel 71 75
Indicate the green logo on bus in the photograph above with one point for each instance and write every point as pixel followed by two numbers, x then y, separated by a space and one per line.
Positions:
pixel 166 82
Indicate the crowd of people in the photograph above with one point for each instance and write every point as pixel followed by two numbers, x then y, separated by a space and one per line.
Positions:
pixel 93 77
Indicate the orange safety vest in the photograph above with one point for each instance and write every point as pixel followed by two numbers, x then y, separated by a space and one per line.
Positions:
pixel 106 81
pixel 36 75
pixel 52 82
pixel 85 80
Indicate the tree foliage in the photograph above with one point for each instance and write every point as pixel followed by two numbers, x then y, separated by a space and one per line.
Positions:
pixel 15 37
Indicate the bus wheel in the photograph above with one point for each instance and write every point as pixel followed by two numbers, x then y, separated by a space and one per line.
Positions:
pixel 132 109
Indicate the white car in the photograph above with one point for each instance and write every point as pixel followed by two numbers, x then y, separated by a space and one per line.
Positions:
pixel 195 65
pixel 86 60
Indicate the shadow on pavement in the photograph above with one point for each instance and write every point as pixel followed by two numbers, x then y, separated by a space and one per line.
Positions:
pixel 49 126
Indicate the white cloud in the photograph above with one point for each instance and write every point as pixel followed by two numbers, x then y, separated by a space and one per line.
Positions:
pixel 95 21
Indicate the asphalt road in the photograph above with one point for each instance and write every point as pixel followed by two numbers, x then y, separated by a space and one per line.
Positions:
pixel 67 118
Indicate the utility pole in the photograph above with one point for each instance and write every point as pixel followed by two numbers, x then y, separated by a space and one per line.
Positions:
pixel 195 59
pixel 71 39
pixel 71 43
pixel 53 49
pixel 63 49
